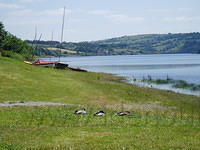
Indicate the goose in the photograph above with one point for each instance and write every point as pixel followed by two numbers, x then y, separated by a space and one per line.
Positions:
pixel 125 113
pixel 100 113
pixel 80 112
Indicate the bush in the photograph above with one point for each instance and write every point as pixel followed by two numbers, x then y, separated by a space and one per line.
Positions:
pixel 12 55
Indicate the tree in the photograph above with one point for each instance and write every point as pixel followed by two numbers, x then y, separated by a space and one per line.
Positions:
pixel 10 45
pixel 2 33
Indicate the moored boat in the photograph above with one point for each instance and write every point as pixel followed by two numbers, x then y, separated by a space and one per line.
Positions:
pixel 48 64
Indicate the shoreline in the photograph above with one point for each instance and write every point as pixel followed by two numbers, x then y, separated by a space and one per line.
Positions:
pixel 131 65
pixel 167 88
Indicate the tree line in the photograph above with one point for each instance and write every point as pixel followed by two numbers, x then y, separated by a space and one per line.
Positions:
pixel 11 46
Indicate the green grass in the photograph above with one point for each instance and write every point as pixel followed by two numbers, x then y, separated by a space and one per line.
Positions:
pixel 56 127
pixel 22 82
pixel 51 127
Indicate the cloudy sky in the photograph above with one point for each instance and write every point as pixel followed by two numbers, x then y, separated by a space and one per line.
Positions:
pixel 98 19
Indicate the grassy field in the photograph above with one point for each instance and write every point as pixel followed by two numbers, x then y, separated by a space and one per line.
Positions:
pixel 159 119
pixel 58 128
pixel 63 50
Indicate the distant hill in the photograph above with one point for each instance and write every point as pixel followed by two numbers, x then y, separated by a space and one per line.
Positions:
pixel 138 44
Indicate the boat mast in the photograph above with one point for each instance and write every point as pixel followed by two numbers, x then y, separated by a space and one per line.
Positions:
pixel 35 37
pixel 38 43
pixel 51 41
pixel 33 42
pixel 63 23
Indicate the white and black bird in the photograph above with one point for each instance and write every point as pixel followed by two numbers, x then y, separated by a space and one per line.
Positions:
pixel 80 112
pixel 100 113
pixel 124 113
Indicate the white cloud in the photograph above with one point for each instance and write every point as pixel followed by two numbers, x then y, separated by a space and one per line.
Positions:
pixel 23 21
pixel 30 1
pixel 185 9
pixel 168 10
pixel 23 12
pixel 115 16
pixel 125 18
pixel 58 12
pixel 100 12
pixel 30 12
pixel 25 1
pixel 182 19
pixel 70 30
pixel 54 12
pixel 11 6
pixel 159 10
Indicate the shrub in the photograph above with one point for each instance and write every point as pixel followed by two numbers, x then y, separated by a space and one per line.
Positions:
pixel 12 55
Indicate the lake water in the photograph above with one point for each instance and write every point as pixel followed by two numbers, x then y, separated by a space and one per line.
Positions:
pixel 177 66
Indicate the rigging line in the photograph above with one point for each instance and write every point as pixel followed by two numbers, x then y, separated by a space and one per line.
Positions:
pixel 63 23
pixel 38 43
pixel 52 35
pixel 34 42
pixel 52 42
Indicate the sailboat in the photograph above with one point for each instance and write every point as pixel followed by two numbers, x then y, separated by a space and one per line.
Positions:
pixel 50 63
pixel 58 64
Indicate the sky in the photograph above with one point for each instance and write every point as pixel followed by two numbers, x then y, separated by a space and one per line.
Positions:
pixel 90 20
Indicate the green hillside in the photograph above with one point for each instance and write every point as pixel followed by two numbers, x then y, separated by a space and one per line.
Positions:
pixel 139 44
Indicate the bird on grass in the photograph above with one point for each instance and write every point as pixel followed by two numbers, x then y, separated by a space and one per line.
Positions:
pixel 125 113
pixel 80 112
pixel 100 113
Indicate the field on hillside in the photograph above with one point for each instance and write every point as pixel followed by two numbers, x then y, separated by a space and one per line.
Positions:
pixel 131 45
pixel 58 49
pixel 159 119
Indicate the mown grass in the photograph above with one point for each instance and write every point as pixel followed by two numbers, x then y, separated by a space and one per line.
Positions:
pixel 56 127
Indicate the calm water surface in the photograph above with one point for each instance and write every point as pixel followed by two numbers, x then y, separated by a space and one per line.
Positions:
pixel 177 66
